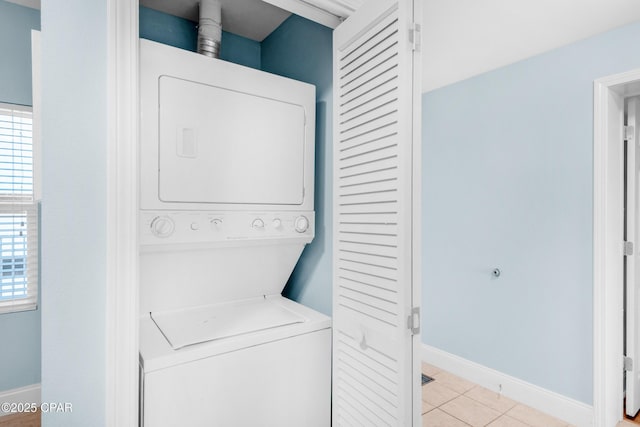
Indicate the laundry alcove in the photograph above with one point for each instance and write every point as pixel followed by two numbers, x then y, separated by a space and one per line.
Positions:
pixel 366 187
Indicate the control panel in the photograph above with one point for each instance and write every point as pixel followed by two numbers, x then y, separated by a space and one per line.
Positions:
pixel 161 227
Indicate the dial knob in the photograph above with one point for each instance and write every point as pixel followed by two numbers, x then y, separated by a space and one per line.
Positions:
pixel 277 223
pixel 162 226
pixel 302 224
pixel 216 223
pixel 257 223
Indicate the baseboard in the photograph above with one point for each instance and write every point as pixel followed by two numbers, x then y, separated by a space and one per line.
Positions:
pixel 567 409
pixel 26 394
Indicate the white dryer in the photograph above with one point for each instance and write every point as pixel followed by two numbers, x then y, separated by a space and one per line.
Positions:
pixel 226 208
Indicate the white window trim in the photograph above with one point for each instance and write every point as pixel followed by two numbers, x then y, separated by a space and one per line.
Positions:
pixel 33 233
pixel 37 114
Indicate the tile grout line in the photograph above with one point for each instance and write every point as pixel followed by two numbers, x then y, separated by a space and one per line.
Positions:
pixel 483 404
pixel 440 407
pixel 475 386
pixel 453 416
pixel 500 414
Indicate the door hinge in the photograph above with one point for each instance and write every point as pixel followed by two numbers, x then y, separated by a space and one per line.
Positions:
pixel 413 321
pixel 415 35
pixel 629 133
pixel 628 364
pixel 628 248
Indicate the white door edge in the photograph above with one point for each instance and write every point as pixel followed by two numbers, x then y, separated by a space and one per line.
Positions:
pixel 632 387
pixel 416 251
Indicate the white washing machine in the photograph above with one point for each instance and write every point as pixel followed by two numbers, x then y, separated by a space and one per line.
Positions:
pixel 226 208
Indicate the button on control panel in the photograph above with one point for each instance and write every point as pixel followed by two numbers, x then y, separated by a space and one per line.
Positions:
pixel 159 227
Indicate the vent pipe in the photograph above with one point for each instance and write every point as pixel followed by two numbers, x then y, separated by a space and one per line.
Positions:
pixel 210 28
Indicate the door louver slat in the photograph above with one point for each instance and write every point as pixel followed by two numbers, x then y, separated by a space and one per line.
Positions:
pixel 376 111
pixel 381 377
pixel 385 400
pixel 369 108
pixel 375 287
pixel 382 78
pixel 388 174
pixel 374 37
pixel 372 68
pixel 367 257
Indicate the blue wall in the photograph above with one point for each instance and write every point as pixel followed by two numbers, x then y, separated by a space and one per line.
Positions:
pixel 182 33
pixel 20 332
pixel 74 209
pixel 507 183
pixel 302 50
pixel 16 23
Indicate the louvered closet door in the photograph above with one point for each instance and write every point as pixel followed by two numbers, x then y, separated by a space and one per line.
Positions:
pixel 376 148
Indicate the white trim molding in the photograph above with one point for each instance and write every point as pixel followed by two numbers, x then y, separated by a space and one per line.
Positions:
pixel 122 210
pixel 557 405
pixel 608 186
pixel 27 394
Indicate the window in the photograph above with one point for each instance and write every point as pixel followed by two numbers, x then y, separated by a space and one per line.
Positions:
pixel 18 211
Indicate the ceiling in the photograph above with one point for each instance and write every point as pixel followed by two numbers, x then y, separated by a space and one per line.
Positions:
pixel 253 19
pixel 461 38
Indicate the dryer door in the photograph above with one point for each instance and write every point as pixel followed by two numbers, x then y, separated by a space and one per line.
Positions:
pixel 225 146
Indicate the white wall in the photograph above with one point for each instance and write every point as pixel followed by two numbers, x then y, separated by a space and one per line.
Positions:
pixel 74 69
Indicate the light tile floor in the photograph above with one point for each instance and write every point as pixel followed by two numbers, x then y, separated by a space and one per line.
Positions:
pixel 450 401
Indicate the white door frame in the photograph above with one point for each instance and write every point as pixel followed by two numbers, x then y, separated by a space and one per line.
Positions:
pixel 121 369
pixel 608 185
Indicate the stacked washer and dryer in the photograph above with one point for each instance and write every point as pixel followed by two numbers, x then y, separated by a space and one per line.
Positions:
pixel 226 208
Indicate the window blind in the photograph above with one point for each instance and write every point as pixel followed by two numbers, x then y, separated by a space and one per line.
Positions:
pixel 18 211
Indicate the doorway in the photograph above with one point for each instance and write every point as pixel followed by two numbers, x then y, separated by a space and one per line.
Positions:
pixel 631 260
pixel 608 248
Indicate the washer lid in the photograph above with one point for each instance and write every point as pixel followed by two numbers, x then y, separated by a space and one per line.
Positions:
pixel 201 324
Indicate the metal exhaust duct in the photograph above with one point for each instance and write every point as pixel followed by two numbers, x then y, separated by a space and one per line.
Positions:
pixel 210 28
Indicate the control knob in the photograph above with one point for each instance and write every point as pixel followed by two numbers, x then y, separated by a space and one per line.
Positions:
pixel 216 224
pixel 257 223
pixel 162 226
pixel 301 224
